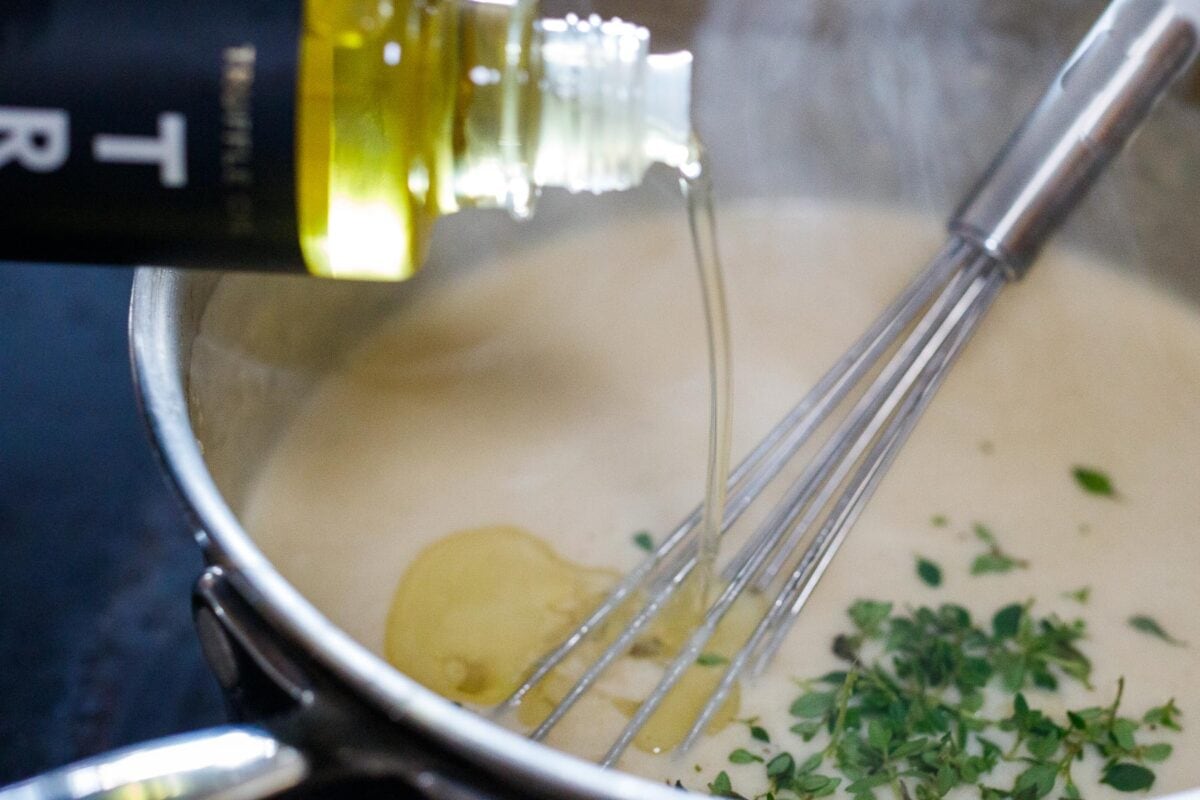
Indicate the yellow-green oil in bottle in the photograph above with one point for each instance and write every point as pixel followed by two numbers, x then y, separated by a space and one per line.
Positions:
pixel 407 110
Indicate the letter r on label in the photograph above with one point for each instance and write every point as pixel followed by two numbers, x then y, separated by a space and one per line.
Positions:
pixel 36 138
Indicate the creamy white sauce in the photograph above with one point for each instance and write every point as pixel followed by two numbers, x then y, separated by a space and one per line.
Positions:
pixel 564 392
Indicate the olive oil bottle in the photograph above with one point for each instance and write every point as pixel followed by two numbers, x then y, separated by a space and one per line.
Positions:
pixel 325 136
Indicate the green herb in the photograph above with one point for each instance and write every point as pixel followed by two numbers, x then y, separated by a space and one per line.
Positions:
pixel 1093 481
pixel 812 704
pixel 760 734
pixel 1081 595
pixel 995 559
pixel 781 766
pixel 906 714
pixel 868 615
pixel 984 534
pixel 1128 777
pixel 939 521
pixel 741 756
pixel 1157 752
pixel 644 541
pixel 1148 625
pixel 929 572
pixel 721 786
pixel 1006 622
pixel 1165 716
pixel 711 659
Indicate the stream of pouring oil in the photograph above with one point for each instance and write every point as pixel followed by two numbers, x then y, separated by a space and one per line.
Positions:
pixel 695 182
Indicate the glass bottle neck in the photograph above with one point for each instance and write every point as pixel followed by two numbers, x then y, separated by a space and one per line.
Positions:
pixel 574 103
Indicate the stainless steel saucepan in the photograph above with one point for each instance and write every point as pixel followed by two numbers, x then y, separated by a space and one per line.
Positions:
pixel 892 101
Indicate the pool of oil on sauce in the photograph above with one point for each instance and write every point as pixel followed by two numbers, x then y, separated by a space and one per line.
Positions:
pixel 473 605
pixel 540 411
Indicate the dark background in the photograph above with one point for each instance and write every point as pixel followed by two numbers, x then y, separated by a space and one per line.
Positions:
pixel 96 560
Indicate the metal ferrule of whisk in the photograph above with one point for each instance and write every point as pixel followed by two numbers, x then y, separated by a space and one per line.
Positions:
pixel 1091 110
pixel 888 377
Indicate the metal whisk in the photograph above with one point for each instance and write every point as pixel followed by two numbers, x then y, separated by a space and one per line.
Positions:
pixel 1122 67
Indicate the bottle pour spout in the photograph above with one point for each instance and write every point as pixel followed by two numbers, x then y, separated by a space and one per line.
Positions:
pixel 609 109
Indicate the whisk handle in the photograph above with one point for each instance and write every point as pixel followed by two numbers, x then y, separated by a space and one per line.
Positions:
pixel 1095 103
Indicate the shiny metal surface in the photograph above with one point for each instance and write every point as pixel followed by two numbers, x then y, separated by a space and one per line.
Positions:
pixel 1092 108
pixel 229 763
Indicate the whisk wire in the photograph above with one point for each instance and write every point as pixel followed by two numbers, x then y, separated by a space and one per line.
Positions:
pixel 922 380
pixel 974 306
pixel 746 482
pixel 804 503
pixel 938 290
pixel 845 445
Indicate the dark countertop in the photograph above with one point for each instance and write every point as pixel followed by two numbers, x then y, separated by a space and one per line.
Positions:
pixel 96 561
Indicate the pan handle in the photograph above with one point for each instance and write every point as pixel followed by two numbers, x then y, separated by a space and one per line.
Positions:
pixel 233 762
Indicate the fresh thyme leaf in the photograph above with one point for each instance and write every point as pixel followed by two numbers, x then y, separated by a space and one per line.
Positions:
pixel 1081 595
pixel 1093 481
pixel 812 704
pixel 992 562
pixel 984 534
pixel 1007 621
pixel 1128 777
pixel 1165 716
pixel 781 766
pixel 879 735
pixel 711 659
pixel 1122 731
pixel 643 540
pixel 1150 626
pixel 815 785
pixel 995 560
pixel 845 647
pixel 723 787
pixel 741 756
pixel 929 572
pixel 807 729
pixel 810 764
pixel 1039 778
pixel 1157 752
pixel 868 615
pixel 939 521
pixel 760 734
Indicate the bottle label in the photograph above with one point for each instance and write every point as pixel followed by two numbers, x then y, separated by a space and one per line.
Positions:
pixel 160 131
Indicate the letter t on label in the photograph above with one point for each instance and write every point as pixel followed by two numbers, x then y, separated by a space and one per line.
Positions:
pixel 168 150
pixel 36 138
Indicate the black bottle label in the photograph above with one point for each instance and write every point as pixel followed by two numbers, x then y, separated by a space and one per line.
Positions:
pixel 149 131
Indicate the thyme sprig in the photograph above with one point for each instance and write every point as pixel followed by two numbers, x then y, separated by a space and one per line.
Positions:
pixel 907 714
